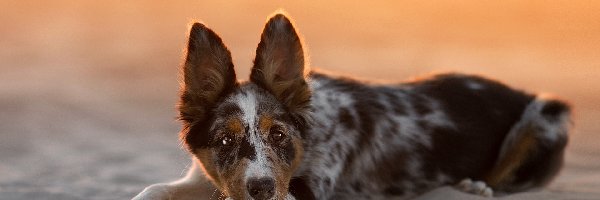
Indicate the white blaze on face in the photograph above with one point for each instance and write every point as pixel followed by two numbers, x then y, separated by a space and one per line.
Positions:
pixel 258 167
pixel 249 106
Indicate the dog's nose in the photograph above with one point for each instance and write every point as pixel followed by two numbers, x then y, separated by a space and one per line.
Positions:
pixel 261 188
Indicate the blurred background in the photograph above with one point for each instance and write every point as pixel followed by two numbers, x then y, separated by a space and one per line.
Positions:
pixel 88 88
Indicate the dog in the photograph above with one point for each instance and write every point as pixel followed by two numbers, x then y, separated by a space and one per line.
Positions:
pixel 292 133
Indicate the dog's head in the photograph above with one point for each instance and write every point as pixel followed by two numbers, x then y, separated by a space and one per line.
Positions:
pixel 248 135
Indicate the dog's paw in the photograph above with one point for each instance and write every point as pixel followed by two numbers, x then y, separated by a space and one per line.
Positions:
pixel 154 192
pixel 475 187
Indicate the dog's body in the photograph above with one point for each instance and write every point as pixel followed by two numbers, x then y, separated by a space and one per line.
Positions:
pixel 286 135
pixel 381 141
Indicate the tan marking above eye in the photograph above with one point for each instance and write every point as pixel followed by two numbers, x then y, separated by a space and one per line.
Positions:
pixel 265 123
pixel 235 126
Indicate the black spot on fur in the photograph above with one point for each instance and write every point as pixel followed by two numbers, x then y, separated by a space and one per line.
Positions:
pixel 300 190
pixel 329 164
pixel 330 133
pixel 365 130
pixel 421 105
pixel 423 124
pixel 356 186
pixel 327 181
pixel 393 191
pixel 346 118
pixel 246 150
pixel 553 109
pixel 368 112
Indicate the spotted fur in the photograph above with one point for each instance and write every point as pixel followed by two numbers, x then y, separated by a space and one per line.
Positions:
pixel 287 134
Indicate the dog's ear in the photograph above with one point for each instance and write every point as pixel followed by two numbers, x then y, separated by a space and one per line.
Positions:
pixel 279 66
pixel 208 73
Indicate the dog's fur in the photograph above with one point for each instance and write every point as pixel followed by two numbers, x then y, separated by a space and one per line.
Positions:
pixel 288 133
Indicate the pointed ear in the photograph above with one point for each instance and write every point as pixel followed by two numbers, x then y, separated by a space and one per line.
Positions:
pixel 207 73
pixel 279 64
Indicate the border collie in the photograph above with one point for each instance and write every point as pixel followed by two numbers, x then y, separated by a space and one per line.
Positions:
pixel 292 133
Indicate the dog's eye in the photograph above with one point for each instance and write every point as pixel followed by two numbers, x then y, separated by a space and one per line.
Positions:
pixel 276 134
pixel 226 141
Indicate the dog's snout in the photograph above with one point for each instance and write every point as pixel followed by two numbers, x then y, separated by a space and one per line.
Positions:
pixel 261 188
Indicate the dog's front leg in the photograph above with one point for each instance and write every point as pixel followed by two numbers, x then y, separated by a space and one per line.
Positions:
pixel 193 186
pixel 290 197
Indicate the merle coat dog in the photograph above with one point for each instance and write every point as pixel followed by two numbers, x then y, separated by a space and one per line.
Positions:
pixel 291 133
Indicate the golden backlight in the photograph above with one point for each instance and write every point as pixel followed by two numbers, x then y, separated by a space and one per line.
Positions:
pixel 103 74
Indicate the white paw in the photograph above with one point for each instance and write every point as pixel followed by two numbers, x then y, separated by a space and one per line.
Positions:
pixel 475 187
pixel 154 192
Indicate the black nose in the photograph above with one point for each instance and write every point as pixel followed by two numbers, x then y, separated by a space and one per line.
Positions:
pixel 261 188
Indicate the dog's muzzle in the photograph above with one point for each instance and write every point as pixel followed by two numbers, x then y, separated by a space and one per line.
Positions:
pixel 261 188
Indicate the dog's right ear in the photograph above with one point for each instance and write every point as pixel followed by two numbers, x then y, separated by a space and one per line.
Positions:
pixel 208 73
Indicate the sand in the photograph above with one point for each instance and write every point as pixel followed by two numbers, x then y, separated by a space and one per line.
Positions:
pixel 87 89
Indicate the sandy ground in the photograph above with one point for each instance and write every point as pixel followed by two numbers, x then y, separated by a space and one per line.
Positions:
pixel 87 89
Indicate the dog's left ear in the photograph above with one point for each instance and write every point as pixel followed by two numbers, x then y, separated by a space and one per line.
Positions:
pixel 279 64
